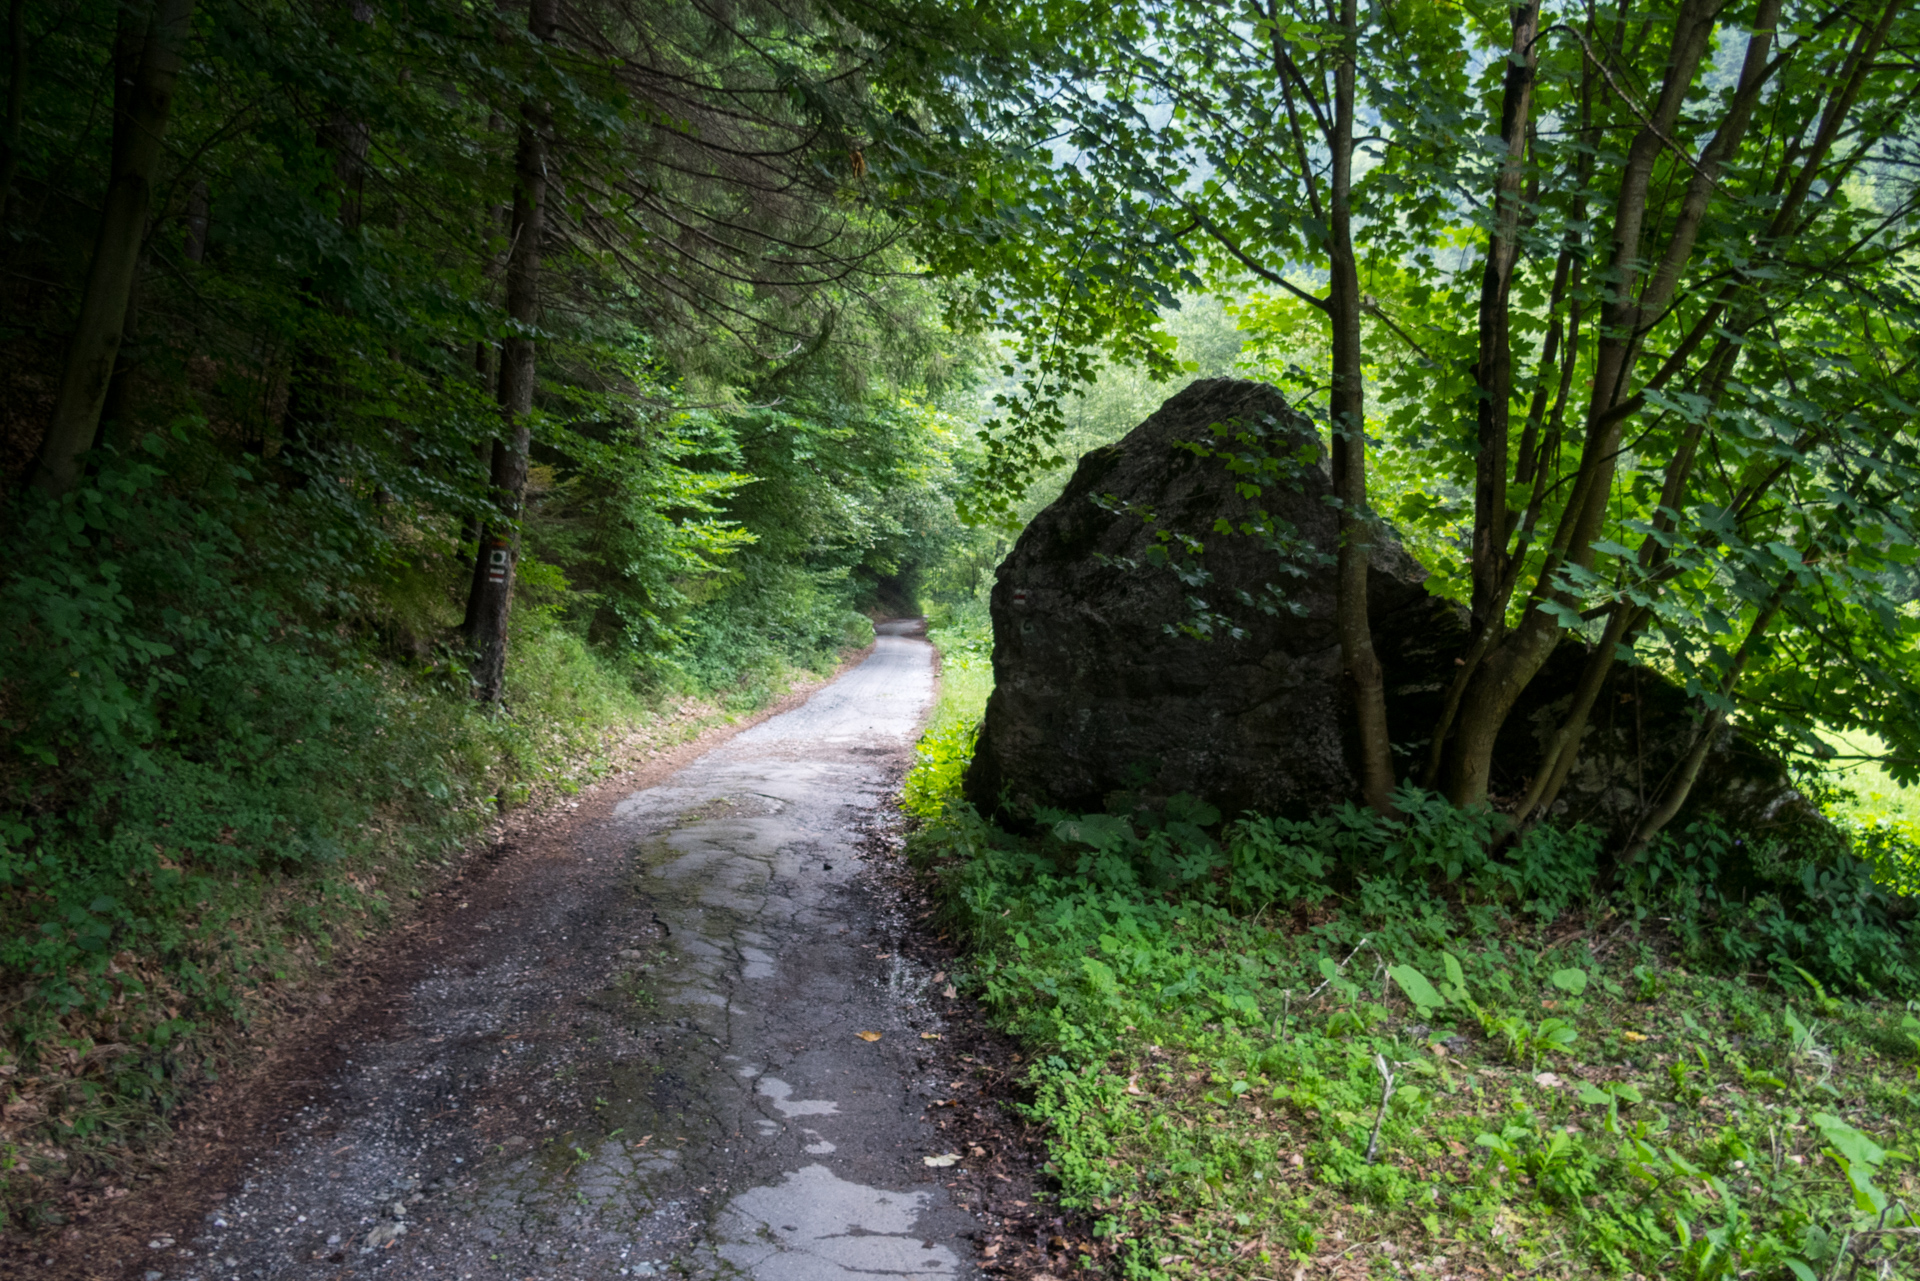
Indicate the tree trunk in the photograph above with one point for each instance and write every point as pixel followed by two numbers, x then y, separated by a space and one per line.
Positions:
pixel 1624 625
pixel 116 251
pixel 1348 405
pixel 490 599
pixel 197 220
pixel 486 363
pixel 1493 373
pixel 1511 665
pixel 1538 462
pixel 16 101
pixel 116 409
pixel 1563 750
pixel 1680 786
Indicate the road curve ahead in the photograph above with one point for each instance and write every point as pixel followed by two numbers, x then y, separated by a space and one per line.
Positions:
pixel 651 1053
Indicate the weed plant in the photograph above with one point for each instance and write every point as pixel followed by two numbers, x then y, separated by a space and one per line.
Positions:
pixel 1351 1046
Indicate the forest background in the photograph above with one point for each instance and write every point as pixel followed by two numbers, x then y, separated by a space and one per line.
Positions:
pixel 402 403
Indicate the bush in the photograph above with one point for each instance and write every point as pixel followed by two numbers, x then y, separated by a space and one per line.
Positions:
pixel 1735 908
pixel 1435 870
pixel 964 636
pixel 1248 1038
pixel 210 768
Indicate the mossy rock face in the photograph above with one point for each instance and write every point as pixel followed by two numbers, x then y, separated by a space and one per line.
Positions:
pixel 1097 687
pixel 1101 687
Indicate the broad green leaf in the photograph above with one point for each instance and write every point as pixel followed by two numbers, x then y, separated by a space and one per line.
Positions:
pixel 1571 981
pixel 1849 1142
pixel 1415 985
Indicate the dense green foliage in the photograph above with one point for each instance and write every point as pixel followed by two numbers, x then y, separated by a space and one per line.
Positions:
pixel 1279 1043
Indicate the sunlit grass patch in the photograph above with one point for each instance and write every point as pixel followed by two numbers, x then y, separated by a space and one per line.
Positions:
pixel 965 641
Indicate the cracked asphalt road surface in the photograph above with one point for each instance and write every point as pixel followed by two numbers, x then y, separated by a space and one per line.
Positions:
pixel 647 1054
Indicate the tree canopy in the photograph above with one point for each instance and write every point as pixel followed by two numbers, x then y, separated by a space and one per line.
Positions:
pixel 1633 290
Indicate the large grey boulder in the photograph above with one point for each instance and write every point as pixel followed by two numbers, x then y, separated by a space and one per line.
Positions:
pixel 1167 626
pixel 1097 686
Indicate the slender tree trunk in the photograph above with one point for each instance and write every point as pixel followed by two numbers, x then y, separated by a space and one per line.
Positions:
pixel 1493 377
pixel 1651 564
pixel 16 102
pixel 197 222
pixel 486 363
pixel 118 405
pixel 1563 749
pixel 1493 373
pixel 116 251
pixel 1511 665
pixel 490 599
pixel 1538 462
pixel 1348 404
pixel 1680 785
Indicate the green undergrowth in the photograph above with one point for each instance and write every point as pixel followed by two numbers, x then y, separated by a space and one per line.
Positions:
pixel 232 771
pixel 1881 814
pixel 963 636
pixel 1351 1047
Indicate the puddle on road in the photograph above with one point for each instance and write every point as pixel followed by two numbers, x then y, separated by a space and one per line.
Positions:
pixel 782 1095
pixel 816 1226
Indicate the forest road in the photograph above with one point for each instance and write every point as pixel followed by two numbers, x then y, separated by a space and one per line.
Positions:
pixel 658 1061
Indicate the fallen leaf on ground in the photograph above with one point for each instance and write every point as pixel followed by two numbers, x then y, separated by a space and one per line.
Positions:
pixel 868 1036
pixel 950 993
pixel 1633 1036
pixel 1133 1085
pixel 1547 1079
pixel 929 1036
pixel 941 1161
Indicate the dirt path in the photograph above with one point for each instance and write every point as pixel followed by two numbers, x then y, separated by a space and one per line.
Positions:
pixel 644 1054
